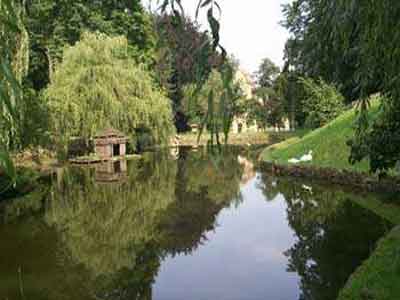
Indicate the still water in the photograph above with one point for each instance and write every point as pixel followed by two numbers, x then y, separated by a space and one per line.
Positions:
pixel 184 225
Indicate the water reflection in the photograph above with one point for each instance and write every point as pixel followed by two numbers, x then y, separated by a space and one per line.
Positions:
pixel 185 225
pixel 112 171
pixel 333 234
pixel 111 229
pixel 249 171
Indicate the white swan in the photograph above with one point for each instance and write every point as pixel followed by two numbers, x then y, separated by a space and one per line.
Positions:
pixel 304 158
pixel 293 161
pixel 307 157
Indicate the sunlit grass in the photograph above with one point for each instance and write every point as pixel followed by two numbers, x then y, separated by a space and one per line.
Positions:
pixel 327 143
pixel 379 277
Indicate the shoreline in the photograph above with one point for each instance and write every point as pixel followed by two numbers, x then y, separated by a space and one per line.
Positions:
pixel 360 180
pixel 264 138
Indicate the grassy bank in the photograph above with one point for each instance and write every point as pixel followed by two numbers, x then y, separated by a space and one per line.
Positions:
pixel 379 277
pixel 252 138
pixel 327 143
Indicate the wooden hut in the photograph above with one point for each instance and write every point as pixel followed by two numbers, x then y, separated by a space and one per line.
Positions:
pixel 110 143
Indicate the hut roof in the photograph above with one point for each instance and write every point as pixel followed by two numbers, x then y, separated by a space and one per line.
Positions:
pixel 109 133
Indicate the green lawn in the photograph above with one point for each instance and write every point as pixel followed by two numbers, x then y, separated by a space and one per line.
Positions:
pixel 327 143
pixel 379 277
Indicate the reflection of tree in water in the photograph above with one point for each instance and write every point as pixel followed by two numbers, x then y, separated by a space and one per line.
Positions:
pixel 118 233
pixel 110 229
pixel 334 235
pixel 218 174
pixel 206 183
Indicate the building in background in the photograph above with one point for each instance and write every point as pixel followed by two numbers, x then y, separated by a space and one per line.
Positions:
pixel 241 123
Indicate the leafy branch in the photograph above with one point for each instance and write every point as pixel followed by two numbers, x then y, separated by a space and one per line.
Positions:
pixel 221 112
pixel 10 89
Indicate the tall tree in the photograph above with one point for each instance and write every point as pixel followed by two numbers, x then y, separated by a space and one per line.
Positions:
pixel 318 48
pixel 185 57
pixel 267 73
pixel 55 23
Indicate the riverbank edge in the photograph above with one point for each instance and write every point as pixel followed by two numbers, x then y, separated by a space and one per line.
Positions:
pixel 242 139
pixel 359 180
pixel 378 277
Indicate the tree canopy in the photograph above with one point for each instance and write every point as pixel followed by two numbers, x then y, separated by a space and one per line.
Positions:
pixel 267 73
pixel 98 84
pixel 54 24
pixel 184 56
pixel 353 44
pixel 215 104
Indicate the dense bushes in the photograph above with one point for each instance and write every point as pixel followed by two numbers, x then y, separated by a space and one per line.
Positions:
pixel 380 139
pixel 322 102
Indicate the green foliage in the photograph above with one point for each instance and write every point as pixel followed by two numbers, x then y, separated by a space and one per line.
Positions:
pixel 319 48
pixel 267 73
pixel 99 85
pixel 323 102
pixel 14 58
pixel 211 6
pixel 281 95
pixel 55 24
pixel 219 116
pixel 34 120
pixel 214 105
pixel 195 103
pixel 269 109
pixel 384 129
pixel 184 57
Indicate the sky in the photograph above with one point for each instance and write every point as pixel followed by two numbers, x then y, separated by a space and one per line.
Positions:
pixel 250 29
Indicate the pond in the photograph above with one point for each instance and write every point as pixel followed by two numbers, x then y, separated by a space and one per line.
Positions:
pixel 184 225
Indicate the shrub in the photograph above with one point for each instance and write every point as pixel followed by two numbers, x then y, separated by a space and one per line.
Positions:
pixel 322 103
pixel 379 139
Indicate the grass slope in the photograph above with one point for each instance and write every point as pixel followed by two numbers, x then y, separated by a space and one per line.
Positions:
pixel 327 143
pixel 379 277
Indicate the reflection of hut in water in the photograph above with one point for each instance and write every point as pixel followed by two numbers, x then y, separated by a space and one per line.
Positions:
pixel 112 171
pixel 110 143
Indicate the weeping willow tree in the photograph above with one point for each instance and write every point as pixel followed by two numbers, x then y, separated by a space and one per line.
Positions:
pixel 219 113
pixel 213 104
pixel 14 55
pixel 98 85
pixel 15 61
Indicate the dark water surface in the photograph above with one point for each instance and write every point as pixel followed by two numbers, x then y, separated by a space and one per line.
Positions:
pixel 183 226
